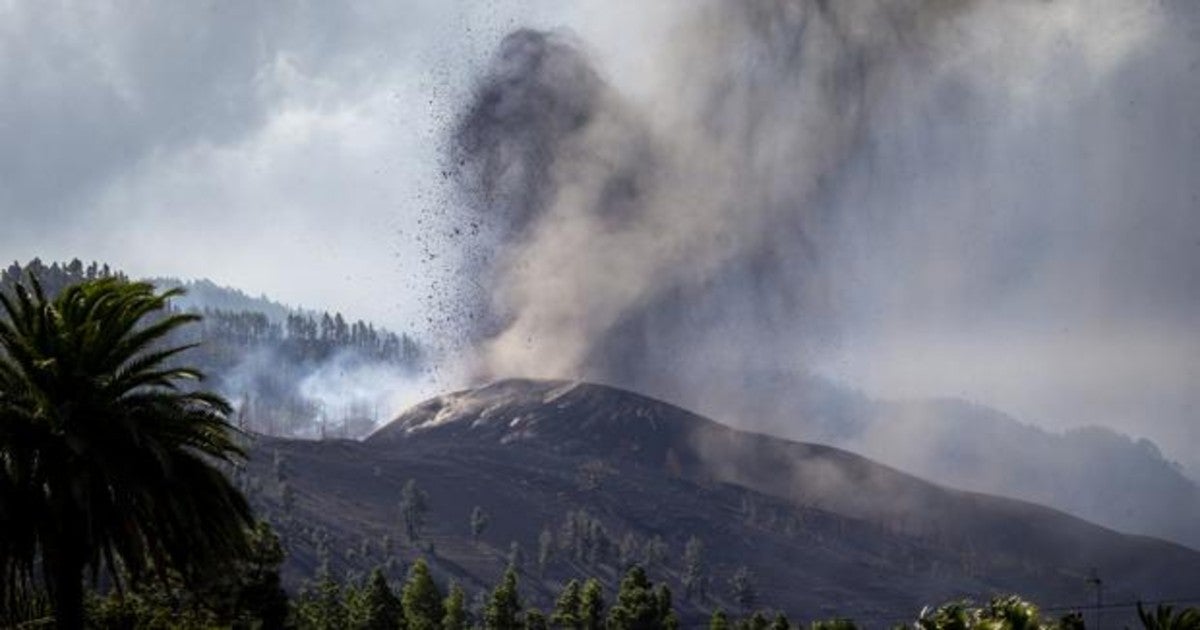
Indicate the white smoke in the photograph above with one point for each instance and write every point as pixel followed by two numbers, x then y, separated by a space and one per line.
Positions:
pixel 356 396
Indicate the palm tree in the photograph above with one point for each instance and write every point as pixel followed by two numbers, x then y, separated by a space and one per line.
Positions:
pixel 106 462
pixel 1164 618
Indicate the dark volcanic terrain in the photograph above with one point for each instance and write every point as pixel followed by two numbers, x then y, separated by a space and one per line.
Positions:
pixel 825 532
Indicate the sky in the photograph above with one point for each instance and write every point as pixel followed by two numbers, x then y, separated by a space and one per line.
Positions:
pixel 296 149
pixel 285 148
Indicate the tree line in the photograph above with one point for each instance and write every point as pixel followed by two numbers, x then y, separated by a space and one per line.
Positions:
pixel 301 335
pixel 259 354
pixel 308 337
pixel 374 602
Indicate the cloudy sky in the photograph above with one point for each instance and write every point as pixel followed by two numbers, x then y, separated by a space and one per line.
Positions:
pixel 290 148
pixel 293 149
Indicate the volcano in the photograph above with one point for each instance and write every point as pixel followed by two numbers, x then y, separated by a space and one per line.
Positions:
pixel 824 531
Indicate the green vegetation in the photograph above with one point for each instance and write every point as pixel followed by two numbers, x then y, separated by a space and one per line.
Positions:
pixel 456 609
pixel 423 606
pixel 376 607
pixel 1164 618
pixel 106 462
pixel 567 609
pixel 591 607
pixel 504 608
pixel 1001 613
pixel 639 604
pixel 248 595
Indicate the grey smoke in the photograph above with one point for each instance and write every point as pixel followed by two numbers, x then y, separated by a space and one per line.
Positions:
pixel 346 395
pixel 990 200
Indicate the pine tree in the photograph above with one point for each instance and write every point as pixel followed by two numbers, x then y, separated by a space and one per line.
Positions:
pixel 321 606
pixel 627 552
pixel 666 609
pixel 599 544
pixel 757 621
pixel 545 550
pixel 637 607
pixel 741 588
pixel 571 537
pixel 479 522
pixel 835 624
pixel 591 606
pixel 654 553
pixel 414 504
pixel 504 608
pixel 456 609
pixel 280 467
pixel 516 557
pixel 535 620
pixel 287 497
pixel 781 622
pixel 1071 621
pixel 693 569
pixel 385 547
pixel 718 621
pixel 377 607
pixel 421 599
pixel 567 608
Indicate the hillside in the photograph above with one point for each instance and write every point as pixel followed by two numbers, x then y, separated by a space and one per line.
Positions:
pixel 1092 472
pixel 825 531
pixel 203 294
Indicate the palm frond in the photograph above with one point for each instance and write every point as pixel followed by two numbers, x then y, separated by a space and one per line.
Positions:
pixel 101 450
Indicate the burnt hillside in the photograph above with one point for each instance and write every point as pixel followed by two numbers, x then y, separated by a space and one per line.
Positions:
pixel 586 478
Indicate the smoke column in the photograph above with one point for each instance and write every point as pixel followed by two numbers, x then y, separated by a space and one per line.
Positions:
pixel 796 170
pixel 628 227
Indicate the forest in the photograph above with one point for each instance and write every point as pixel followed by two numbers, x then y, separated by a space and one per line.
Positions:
pixel 263 356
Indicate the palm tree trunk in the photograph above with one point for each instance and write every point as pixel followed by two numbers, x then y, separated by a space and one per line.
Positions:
pixel 64 576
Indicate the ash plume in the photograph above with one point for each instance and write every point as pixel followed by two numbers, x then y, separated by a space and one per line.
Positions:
pixel 618 218
pixel 798 177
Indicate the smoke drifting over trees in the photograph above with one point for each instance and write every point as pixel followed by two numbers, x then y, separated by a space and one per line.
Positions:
pixel 289 372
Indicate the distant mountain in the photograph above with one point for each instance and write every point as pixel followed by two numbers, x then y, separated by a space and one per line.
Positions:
pixel 205 294
pixel 1091 472
pixel 823 530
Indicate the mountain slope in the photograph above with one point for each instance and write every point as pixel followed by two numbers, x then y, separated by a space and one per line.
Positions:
pixel 825 531
pixel 1091 472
